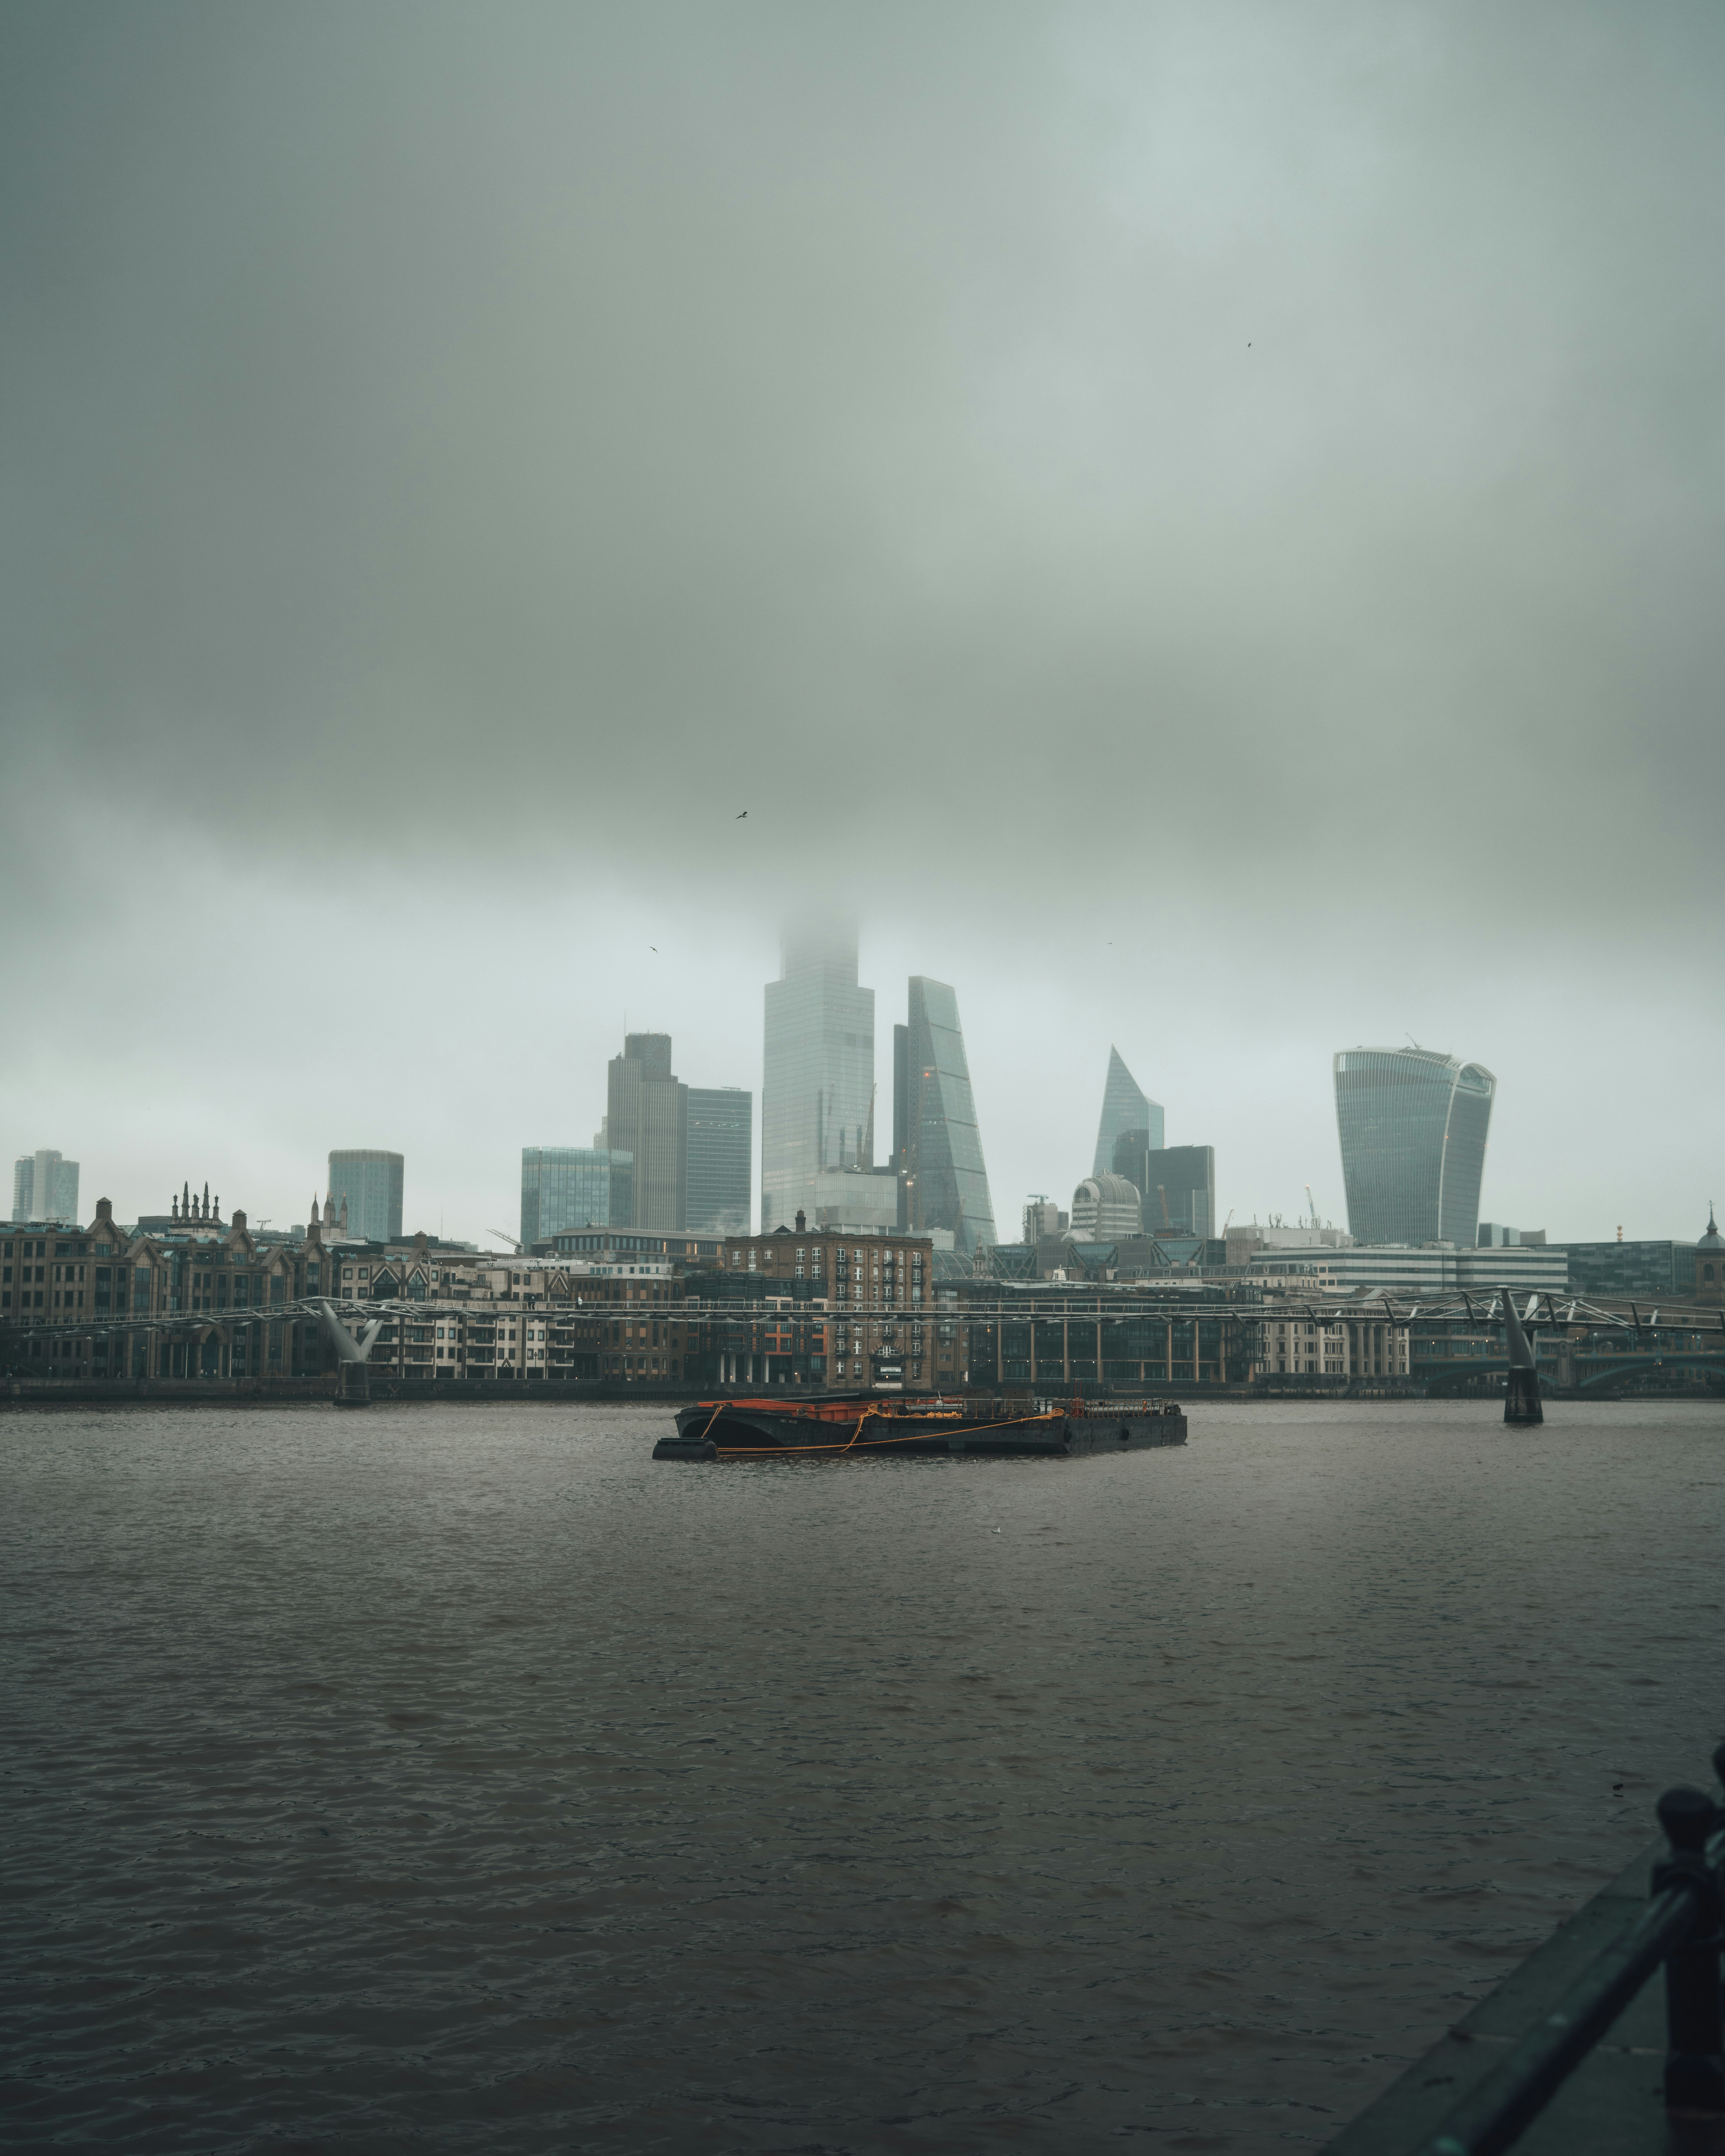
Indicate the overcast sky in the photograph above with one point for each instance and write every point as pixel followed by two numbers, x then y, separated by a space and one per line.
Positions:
pixel 1202 523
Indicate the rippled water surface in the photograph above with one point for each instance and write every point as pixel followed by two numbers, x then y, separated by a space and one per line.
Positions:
pixel 457 1778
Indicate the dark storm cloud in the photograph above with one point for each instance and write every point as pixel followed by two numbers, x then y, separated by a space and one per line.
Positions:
pixel 1265 427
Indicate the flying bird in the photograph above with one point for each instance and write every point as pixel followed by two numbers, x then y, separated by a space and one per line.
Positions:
pixel 738 819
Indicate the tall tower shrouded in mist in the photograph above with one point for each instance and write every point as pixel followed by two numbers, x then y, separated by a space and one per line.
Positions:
pixel 818 1075
pixel 1413 1126
pixel 934 1122
pixel 1125 1107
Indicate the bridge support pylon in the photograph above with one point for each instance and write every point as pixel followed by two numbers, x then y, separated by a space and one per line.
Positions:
pixel 353 1385
pixel 1521 1400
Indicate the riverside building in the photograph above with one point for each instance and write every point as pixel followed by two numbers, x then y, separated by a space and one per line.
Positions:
pixel 873 1293
pixel 1413 1268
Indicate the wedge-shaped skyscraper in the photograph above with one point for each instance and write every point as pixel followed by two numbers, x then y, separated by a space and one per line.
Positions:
pixel 1125 1107
pixel 1413 1124
pixel 941 1147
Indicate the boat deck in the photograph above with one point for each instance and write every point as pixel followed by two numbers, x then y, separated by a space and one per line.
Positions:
pixel 831 1427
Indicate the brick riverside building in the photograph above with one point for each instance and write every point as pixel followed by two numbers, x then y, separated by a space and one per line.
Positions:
pixel 94 1275
pixel 794 1308
pixel 844 1303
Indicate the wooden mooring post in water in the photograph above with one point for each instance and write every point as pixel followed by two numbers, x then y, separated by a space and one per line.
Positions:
pixel 1572 2053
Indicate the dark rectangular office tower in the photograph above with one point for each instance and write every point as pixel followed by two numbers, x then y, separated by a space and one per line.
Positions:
pixel 1178 1183
pixel 721 1150
pixel 647 1116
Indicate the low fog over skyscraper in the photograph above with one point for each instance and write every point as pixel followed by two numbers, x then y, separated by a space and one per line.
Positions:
pixel 818 1075
pixel 1125 1107
pixel 1413 1124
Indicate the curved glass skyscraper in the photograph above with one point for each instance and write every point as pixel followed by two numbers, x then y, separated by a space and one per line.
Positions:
pixel 1413 1126
pixel 950 1187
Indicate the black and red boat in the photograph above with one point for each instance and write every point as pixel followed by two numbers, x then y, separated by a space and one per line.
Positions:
pixel 833 1425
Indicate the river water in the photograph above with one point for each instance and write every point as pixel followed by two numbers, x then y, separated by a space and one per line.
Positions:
pixel 456 1779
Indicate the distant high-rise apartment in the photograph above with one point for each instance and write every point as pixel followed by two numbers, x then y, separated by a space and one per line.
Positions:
pixel 1178 1183
pixel 948 1183
pixel 647 1116
pixel 45 1187
pixel 720 1147
pixel 370 1183
pixel 568 1187
pixel 818 1078
pixel 1413 1124
pixel 1042 1217
pixel 1125 1107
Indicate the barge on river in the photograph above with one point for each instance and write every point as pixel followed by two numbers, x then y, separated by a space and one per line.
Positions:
pixel 835 1424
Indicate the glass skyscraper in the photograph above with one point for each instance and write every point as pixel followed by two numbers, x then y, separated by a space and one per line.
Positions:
pixel 817 1077
pixel 1413 1124
pixel 370 1182
pixel 1125 1107
pixel 1178 1183
pixel 721 1144
pixel 950 1188
pixel 566 1187
pixel 45 1187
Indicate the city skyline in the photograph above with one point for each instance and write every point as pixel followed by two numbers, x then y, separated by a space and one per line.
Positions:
pixel 1268 1147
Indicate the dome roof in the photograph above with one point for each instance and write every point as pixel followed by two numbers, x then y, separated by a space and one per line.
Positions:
pixel 1712 1239
pixel 1109 1189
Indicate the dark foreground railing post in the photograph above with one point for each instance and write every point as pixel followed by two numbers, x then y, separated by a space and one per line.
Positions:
pixel 1679 1927
pixel 1695 2058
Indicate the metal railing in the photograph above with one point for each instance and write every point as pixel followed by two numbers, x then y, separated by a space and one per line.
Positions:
pixel 1679 1929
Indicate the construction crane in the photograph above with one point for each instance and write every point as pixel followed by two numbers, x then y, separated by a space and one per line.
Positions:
pixel 1314 1222
pixel 503 1235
